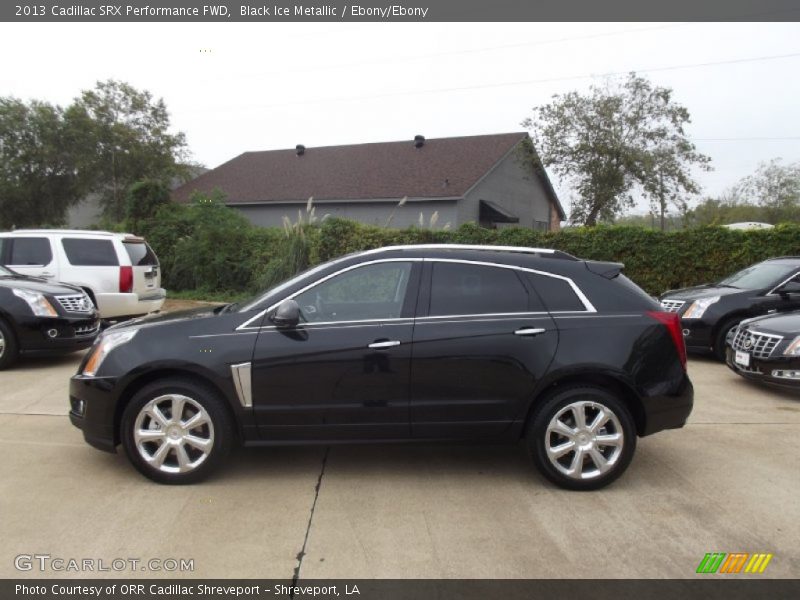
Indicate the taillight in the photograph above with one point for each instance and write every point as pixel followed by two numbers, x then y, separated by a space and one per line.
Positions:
pixel 673 323
pixel 125 280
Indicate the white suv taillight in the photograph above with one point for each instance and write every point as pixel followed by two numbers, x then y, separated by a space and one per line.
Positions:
pixel 125 280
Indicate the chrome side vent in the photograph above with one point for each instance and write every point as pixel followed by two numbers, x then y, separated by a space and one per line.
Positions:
pixel 241 380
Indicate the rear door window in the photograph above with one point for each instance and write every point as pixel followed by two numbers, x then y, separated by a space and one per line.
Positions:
pixel 463 289
pixel 557 294
pixel 90 253
pixel 141 254
pixel 30 252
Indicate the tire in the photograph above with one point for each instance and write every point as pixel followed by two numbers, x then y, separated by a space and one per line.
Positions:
pixel 159 446
pixel 562 408
pixel 9 350
pixel 719 341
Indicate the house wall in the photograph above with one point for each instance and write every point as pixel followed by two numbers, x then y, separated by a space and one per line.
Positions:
pixel 371 213
pixel 514 187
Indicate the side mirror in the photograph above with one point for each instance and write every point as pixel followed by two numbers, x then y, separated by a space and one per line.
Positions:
pixel 287 315
pixel 790 287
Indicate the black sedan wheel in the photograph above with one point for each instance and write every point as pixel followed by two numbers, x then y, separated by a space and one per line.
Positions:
pixel 582 438
pixel 176 431
pixel 8 346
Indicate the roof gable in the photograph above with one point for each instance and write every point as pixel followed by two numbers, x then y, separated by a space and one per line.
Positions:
pixel 441 168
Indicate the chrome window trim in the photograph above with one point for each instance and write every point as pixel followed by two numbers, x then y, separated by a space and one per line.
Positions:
pixel 588 306
pixel 581 296
pixel 242 381
pixel 519 249
pixel 784 282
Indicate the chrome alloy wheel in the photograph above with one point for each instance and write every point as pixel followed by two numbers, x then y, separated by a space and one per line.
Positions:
pixel 173 434
pixel 2 344
pixel 584 440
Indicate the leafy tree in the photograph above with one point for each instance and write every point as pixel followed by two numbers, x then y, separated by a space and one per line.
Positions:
pixel 40 178
pixel 775 187
pixel 144 198
pixel 614 140
pixel 130 141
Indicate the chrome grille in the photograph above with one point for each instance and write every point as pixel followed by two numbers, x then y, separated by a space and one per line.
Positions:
pixel 672 305
pixel 760 345
pixel 80 303
pixel 90 329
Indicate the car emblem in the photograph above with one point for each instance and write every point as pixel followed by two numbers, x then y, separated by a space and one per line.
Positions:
pixel 748 342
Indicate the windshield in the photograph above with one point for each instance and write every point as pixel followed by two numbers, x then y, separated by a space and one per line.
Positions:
pixel 759 276
pixel 266 298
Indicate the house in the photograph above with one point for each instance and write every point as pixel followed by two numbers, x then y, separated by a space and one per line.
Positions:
pixel 494 180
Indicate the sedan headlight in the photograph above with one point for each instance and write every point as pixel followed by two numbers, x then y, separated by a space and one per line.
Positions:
pixel 793 349
pixel 698 308
pixel 40 305
pixel 106 343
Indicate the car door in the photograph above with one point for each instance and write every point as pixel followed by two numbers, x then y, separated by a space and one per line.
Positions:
pixel 343 372
pixel 482 340
pixel 32 256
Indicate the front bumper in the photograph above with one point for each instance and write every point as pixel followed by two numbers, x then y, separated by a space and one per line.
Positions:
pixel 761 370
pixel 92 410
pixel 46 335
pixel 697 334
pixel 669 411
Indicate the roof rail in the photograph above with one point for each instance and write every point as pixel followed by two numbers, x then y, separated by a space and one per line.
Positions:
pixel 69 231
pixel 520 249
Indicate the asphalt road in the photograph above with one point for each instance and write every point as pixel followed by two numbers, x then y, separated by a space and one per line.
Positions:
pixel 728 482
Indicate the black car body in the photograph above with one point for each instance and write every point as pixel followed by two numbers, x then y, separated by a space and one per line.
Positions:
pixel 767 349
pixel 41 318
pixel 709 313
pixel 398 344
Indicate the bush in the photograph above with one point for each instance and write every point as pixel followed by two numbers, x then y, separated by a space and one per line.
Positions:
pixel 205 246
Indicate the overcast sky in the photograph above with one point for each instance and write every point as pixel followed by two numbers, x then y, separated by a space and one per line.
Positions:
pixel 234 87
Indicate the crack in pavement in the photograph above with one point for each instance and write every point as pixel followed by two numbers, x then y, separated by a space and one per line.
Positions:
pixel 302 553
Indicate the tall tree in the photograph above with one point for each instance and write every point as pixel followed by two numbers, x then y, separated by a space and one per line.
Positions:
pixel 129 130
pixel 614 140
pixel 774 186
pixel 40 175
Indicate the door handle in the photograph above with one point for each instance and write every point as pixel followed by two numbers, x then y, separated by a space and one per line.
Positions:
pixel 529 331
pixel 47 274
pixel 385 344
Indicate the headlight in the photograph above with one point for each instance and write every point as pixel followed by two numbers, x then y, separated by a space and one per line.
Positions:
pixel 40 305
pixel 103 348
pixel 793 349
pixel 698 307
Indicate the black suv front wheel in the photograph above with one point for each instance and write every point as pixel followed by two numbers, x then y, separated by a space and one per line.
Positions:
pixel 176 431
pixel 582 438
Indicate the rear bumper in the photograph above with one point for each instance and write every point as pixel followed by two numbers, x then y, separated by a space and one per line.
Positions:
pixel 763 370
pixel 668 411
pixel 130 305
pixel 92 410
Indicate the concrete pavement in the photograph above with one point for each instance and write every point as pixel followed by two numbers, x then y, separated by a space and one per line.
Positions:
pixel 728 482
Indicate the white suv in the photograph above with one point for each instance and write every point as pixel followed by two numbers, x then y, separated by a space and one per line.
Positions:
pixel 119 271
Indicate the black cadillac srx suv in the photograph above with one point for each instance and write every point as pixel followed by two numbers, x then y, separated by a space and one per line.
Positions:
pixel 432 342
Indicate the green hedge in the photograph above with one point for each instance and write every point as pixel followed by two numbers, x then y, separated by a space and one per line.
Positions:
pixel 208 247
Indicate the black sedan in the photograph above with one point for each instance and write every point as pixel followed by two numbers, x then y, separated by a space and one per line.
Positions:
pixel 710 312
pixel 42 318
pixel 767 349
pixel 398 344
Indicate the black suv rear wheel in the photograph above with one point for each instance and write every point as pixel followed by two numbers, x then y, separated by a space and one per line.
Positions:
pixel 176 431
pixel 582 438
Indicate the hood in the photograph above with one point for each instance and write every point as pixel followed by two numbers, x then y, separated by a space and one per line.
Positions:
pixel 36 284
pixel 785 324
pixel 702 291
pixel 168 318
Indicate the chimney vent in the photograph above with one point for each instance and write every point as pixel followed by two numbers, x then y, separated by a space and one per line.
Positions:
pixel 300 149
pixel 419 141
